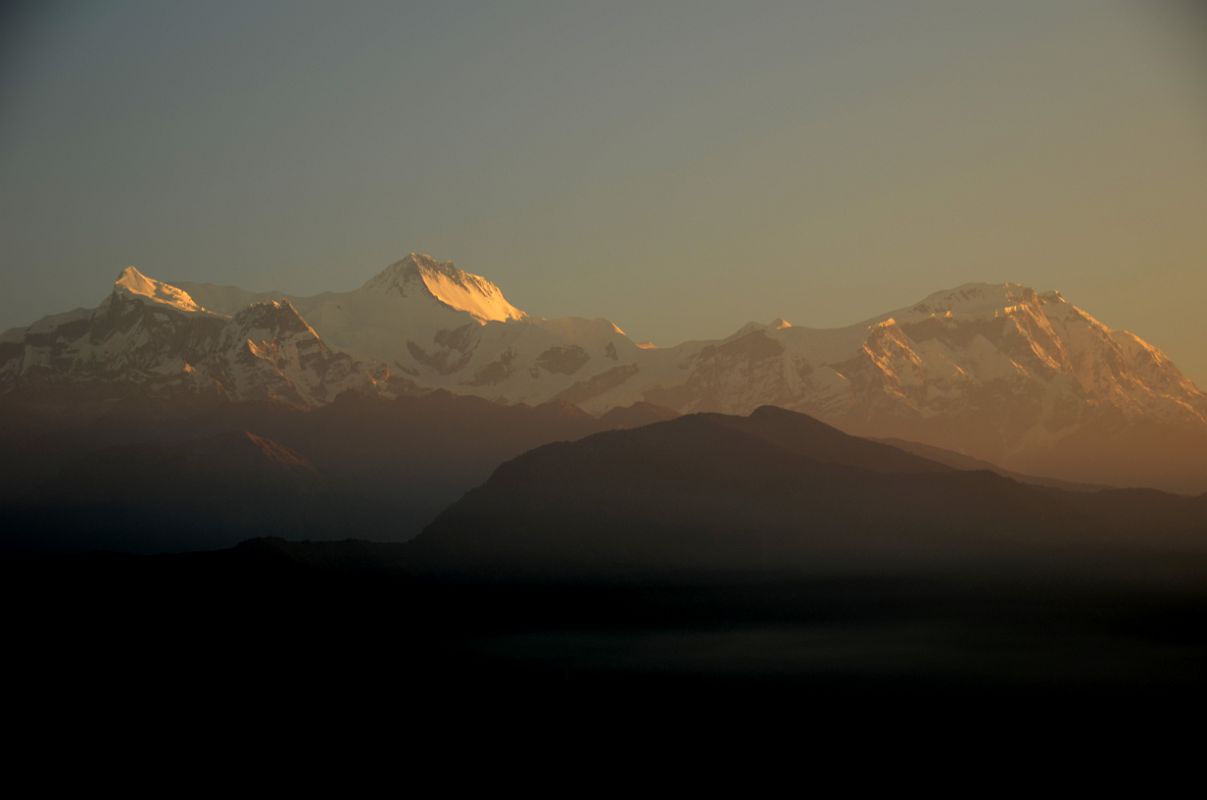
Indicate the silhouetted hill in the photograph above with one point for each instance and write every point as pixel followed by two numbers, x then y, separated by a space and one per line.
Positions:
pixel 773 492
pixel 809 437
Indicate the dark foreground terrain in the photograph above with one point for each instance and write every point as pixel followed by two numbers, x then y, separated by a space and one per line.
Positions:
pixel 346 627
pixel 767 565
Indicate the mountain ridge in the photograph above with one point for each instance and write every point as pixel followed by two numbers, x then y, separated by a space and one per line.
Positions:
pixel 770 492
pixel 1000 372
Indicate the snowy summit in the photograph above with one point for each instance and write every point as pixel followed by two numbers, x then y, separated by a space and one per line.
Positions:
pixel 455 288
pixel 134 284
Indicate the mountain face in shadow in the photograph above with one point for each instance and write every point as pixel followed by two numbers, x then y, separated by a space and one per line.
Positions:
pixel 775 491
pixel 199 494
pixel 234 461
pixel 157 475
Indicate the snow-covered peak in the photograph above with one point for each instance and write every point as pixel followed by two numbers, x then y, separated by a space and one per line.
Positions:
pixel 132 283
pixel 975 300
pixel 451 286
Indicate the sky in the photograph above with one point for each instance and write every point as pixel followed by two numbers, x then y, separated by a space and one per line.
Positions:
pixel 681 168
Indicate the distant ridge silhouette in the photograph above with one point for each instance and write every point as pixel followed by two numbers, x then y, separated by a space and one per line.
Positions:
pixel 774 491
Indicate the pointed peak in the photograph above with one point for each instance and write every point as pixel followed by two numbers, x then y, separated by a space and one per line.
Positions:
pixel 443 281
pixel 132 283
pixel 279 316
pixel 779 324
pixel 269 308
pixel 131 275
pixel 408 269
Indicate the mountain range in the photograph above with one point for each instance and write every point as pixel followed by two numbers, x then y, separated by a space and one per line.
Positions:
pixel 1001 373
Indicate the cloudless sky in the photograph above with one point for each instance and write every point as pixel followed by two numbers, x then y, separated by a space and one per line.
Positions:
pixel 681 168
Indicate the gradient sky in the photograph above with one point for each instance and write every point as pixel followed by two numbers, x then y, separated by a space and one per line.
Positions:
pixel 680 168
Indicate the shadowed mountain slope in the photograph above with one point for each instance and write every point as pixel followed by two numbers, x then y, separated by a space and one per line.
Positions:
pixel 775 491
pixel 194 495
pixel 966 462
